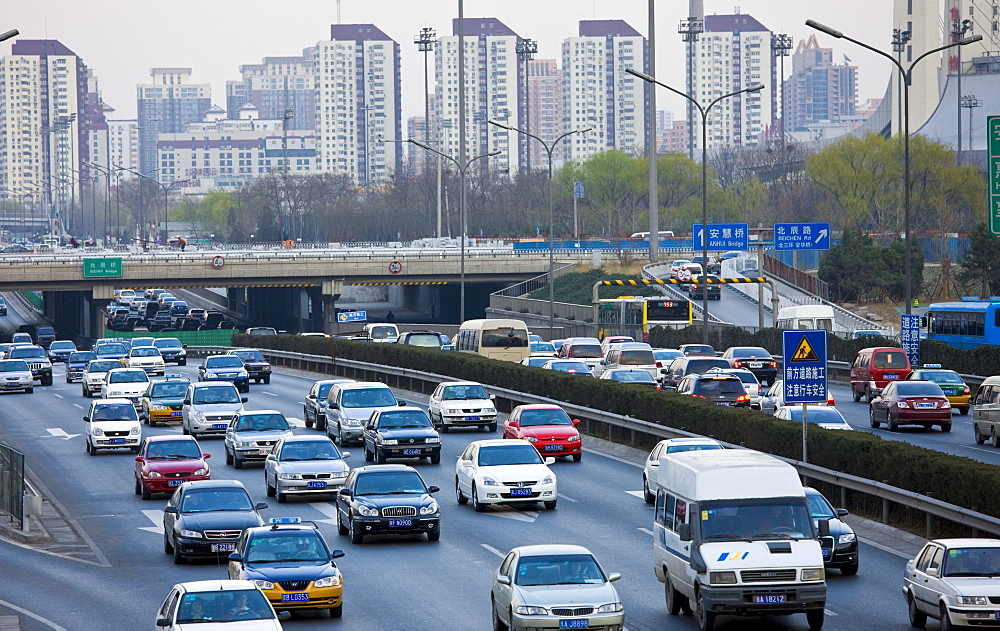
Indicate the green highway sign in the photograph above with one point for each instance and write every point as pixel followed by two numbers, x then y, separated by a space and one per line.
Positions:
pixel 993 144
pixel 103 267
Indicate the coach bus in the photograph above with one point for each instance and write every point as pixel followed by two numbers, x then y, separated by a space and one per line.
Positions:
pixel 971 323
pixel 636 315
pixel 494 338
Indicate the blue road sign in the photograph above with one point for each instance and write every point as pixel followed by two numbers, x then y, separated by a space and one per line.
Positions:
pixel 578 190
pixel 909 338
pixel 804 366
pixel 352 316
pixel 722 236
pixel 801 236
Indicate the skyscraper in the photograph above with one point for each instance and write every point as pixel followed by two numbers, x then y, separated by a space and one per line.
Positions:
pixel 545 109
pixel 166 106
pixel 358 102
pixel 275 85
pixel 599 94
pixel 819 90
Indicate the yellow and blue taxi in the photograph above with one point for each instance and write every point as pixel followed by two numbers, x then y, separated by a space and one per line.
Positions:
pixel 291 563
pixel 162 400
pixel 952 384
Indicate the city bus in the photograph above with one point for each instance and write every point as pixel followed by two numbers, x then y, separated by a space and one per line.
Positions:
pixel 636 315
pixel 494 338
pixel 971 323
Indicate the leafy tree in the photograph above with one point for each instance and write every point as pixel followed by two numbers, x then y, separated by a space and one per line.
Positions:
pixel 856 269
pixel 981 263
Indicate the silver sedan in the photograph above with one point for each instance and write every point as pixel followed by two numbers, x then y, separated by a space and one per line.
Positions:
pixel 304 465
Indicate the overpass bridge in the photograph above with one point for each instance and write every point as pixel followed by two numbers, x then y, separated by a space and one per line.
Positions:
pixel 289 289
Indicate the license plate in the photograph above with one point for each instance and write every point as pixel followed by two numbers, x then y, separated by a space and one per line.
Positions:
pixel 316 484
pixel 574 624
pixel 116 441
pixel 400 523
pixel 890 377
pixel 412 452
pixel 924 406
pixel 220 425
pixel 298 597
pixel 722 402
pixel 175 482
pixel 176 414
pixel 769 599
pixel 472 418
pixel 755 364
pixel 223 547
pixel 524 492
pixel 826 553
pixel 553 447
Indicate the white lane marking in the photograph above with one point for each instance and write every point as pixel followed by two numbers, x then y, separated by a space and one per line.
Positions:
pixel 58 432
pixel 78 405
pixel 638 465
pixel 270 394
pixel 568 499
pixel 829 613
pixel 646 530
pixel 33 616
pixel 509 512
pixel 991 451
pixel 493 550
pixel 327 509
pixel 155 516
pixel 56 394
pixel 295 422
pixel 869 542
pixel 638 494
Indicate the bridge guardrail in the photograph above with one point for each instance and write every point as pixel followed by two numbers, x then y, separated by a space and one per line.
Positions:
pixel 619 427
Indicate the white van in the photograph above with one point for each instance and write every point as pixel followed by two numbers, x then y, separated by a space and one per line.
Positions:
pixel 381 332
pixel 733 535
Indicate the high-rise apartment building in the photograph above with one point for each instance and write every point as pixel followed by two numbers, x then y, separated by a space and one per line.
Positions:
pixel 545 110
pixel 123 145
pixel 599 94
pixel 166 106
pixel 733 53
pixel 276 85
pixel 358 103
pixel 819 90
pixel 493 91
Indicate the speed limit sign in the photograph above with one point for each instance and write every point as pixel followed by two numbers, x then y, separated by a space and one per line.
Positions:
pixel 683 274
pixel 218 261
pixel 395 267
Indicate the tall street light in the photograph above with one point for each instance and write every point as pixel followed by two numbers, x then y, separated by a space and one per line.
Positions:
pixel 704 178
pixel 970 101
pixel 549 149
pixel 462 170
pixel 906 73
pixel 526 50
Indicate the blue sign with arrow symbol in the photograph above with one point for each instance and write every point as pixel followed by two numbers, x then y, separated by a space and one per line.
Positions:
pixel 801 236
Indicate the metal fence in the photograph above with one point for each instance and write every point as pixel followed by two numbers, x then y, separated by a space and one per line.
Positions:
pixel 12 484
pixel 797 277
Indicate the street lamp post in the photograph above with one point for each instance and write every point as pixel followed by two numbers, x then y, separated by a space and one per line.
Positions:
pixel 969 101
pixel 906 72
pixel 526 50
pixel 549 148
pixel 704 111
pixel 781 44
pixel 142 216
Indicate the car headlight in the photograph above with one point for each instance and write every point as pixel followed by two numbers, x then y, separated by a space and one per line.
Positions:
pixel 261 583
pixel 245 443
pixel 531 439
pixel 615 607
pixel 181 353
pixel 242 373
pixel 159 408
pixel 367 511
pixel 488 481
pixel 722 578
pixel 351 422
pixel 846 538
pixel 972 600
pixel 328 581
pixel 526 610
pixel 198 414
pixel 813 574
pixel 549 479
pixel 202 471
pixel 433 439
pixel 430 509
pixel 573 438
pixel 191 534
pixel 154 474
pixel 489 411
pixel 290 476
pixel 388 441
pixel 135 431
pixel 98 431
pixel 338 476
pixel 452 411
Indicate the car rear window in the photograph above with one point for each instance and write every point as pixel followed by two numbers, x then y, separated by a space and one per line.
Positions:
pixel 584 351
pixel 636 358
pixel 889 360
pixel 703 365
pixel 717 387
pixel 916 389
pixel 750 352
pixel 429 340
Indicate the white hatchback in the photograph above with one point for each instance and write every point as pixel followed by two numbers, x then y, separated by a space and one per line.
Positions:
pixel 112 424
pixel 504 472
pixel 462 404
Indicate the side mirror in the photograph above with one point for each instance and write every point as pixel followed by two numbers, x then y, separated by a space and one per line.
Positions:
pixel 333 405
pixel 824 528
pixel 184 345
pixel 614 576
pixel 493 397
pixel 86 418
pixel 236 556
pixel 933 571
pixel 271 457
pixel 654 463
pixel 503 580
pixel 312 396
pixel 243 399
pixel 163 622
pixel 260 506
pixel 842 512
pixel 170 509
pixel 576 421
pixel 550 460
pixel 664 371
pixel 401 403
pixel 684 532
pixel 140 459
pixel 187 401
pixel 433 489
pixel 206 456
pixel 345 492
pixel 513 424
pixel 337 554
pixel 345 454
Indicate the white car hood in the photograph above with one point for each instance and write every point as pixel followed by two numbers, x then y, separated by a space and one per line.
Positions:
pixel 516 472
pixel 975 586
pixel 554 595
pixel 16 374
pixel 145 361
pixel 465 404
pixel 115 426
pixel 243 625
pixel 126 389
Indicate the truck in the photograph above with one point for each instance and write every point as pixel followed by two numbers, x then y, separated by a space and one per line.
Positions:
pixel 733 535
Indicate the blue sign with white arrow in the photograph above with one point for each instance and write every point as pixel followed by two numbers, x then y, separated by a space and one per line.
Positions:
pixel 722 236
pixel 801 236
pixel 352 316
pixel 804 366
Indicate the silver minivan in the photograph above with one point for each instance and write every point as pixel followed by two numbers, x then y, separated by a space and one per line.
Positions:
pixel 350 405
pixel 636 355
pixel 209 407
pixel 986 412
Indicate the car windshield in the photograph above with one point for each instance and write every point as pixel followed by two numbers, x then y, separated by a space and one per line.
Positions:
pixel 942 376
pixel 26 352
pixel 82 356
pixel 168 389
pixel 46 330
pixel 111 349
pixel 747 520
pixel 224 362
pixel 403 418
pixel 249 356
pixel 13 366
pixel 173 450
pixel 167 342
pixel 570 367
pixel 636 358
pixel 751 352
pixel 103 366
pixel 286 547
pixel 819 508
pixel 559 569
pixel 367 398
pixel 262 423
pixel 542 347
pixel 142 341
pixel 698 349
pixel 506 455
pixel 816 414
pixel 223 605
pixel 62 346
pixel 382 332
pixel 972 562
pixel 309 450
pixel 145 352
pixel 458 393
pixel 505 337
pixel 129 376
pixel 324 389
pixel 718 387
pixel 584 351
pixel 889 360
pixel 389 483
pixel 545 416
pixel 218 499
pixel 676 449
pixel 114 412
pixel 429 340
pixel 633 376
pixel 216 394
pixel 917 389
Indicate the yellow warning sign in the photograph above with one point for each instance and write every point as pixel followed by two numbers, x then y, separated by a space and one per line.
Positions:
pixel 804 353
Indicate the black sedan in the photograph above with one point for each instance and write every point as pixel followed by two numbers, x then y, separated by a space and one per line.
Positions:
pixel 387 499
pixel 256 365
pixel 205 519
pixel 401 433
pixel 845 553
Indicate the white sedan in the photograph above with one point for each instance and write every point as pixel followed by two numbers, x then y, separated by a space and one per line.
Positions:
pixel 671 446
pixel 825 416
pixel 956 581
pixel 504 472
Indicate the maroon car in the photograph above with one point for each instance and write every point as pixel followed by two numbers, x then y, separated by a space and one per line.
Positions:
pixel 166 462
pixel 911 403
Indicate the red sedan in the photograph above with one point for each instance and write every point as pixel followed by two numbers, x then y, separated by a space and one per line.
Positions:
pixel 166 462
pixel 547 427
pixel 911 403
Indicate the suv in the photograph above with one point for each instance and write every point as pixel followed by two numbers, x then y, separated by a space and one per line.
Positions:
pixel 112 424
pixel 256 365
pixel 401 433
pixel 688 365
pixel 706 284
pixel 425 339
pixel 172 350
pixel 350 405
pixel 252 434
pixel 874 367
pixel 755 359
pixel 37 360
pixel 45 335
pixel 209 407
pixel 462 404
pixel 718 388
pixel 3 306
pixel 585 349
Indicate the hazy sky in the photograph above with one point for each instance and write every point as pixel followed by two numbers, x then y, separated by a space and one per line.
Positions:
pixel 122 39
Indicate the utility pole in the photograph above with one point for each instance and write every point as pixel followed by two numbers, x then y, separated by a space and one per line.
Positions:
pixel 690 29
pixel 781 44
pixel 288 115
pixel 526 49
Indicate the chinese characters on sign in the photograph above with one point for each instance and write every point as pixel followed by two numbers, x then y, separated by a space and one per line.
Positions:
pixel 722 236
pixel 801 236
pixel 993 145
pixel 909 338
pixel 102 267
pixel 804 369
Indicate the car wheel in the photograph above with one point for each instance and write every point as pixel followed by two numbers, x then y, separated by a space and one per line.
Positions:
pixel 182 362
pixel 577 457
pixel 29 390
pixel 84 392
pixel 918 619
pixel 492 427
pixel 47 381
pixel 91 449
pixel 341 528
pixel 186 431
pixel 706 619
pixel 338 611
pixel 946 427
pixel 305 415
pixel 320 423
pixel 379 456
pixel 178 557
pixel 674 599
pixel 498 624
pixel 229 456
pixel 134 450
pixel 436 458
pixel 459 496
pixel 851 569
pixel 267 379
pixel 477 506
pixel 815 618
pixel 551 505
pixel 434 535
pixel 646 495
pixel 282 497
pixel 146 495
pixel 871 418
pixel 356 537
pixel 268 488
pixel 980 439
pixel 893 426
pixel 138 487
pixel 167 547
pixel 369 457
pixel 237 462
pixel 944 619
pixel 995 439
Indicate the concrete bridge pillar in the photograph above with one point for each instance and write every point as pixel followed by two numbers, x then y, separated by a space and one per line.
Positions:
pixel 329 294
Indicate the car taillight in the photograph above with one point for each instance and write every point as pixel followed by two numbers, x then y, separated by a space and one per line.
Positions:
pixel 743 397
pixel 787 404
pixel 966 391
pixel 829 399
pixel 658 387
pixel 698 395
pixel 737 364
pixel 774 364
pixel 660 365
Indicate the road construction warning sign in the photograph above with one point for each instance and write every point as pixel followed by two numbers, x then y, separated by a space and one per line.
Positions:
pixel 804 370
pixel 804 352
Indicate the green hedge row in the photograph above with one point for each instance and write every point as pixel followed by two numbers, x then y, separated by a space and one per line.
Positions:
pixel 954 479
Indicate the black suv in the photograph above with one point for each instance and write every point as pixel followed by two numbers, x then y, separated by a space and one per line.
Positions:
pixel 256 365
pixel 401 433
pixel 387 499
pixel 720 389
pixel 688 365
pixel 37 360
pixel 713 289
